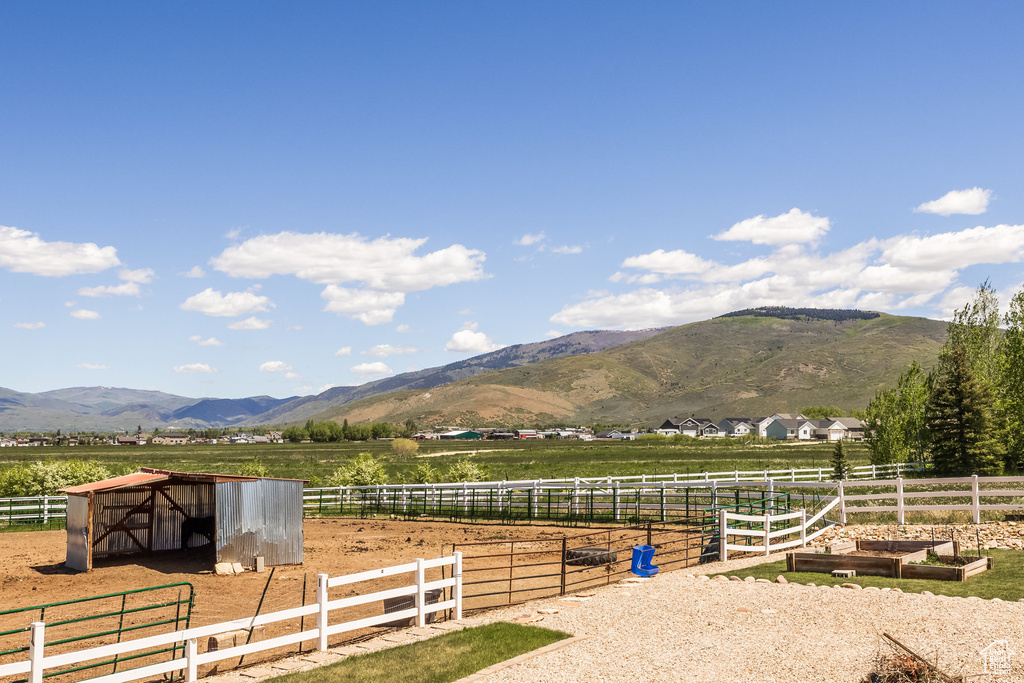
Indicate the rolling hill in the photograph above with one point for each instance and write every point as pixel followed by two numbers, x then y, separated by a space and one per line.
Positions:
pixel 744 365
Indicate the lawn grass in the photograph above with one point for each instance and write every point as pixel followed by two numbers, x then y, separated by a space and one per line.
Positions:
pixel 1005 580
pixel 442 659
pixel 546 459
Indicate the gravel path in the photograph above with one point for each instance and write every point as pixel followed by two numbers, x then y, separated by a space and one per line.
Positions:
pixel 680 627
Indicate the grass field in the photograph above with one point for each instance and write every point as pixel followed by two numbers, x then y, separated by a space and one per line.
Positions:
pixel 502 459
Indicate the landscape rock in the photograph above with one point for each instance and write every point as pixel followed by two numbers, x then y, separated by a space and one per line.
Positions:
pixel 223 569
pixel 781 579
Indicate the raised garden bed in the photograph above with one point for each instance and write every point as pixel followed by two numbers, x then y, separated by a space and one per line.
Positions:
pixel 888 558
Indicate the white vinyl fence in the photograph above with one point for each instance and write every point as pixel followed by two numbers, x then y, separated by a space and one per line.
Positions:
pixel 768 528
pixel 966 491
pixel 38 661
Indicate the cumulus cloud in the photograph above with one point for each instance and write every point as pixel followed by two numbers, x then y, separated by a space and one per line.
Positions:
pixel 900 273
pixel 794 227
pixel 212 302
pixel 212 341
pixel 142 276
pixel 275 366
pixel 344 351
pixel 124 289
pixel 530 239
pixel 469 340
pixel 970 202
pixel 30 326
pixel 385 350
pixel 194 368
pixel 25 252
pixel 551 334
pixel 567 249
pixel 369 369
pixel 194 271
pixel 250 323
pixel 85 314
pixel 93 366
pixel 292 375
pixel 370 307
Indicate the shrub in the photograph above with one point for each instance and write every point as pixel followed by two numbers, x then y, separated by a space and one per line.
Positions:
pixel 464 470
pixel 364 470
pixel 254 468
pixel 425 473
pixel 404 448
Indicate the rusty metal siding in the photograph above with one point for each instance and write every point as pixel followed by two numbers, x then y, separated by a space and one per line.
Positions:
pixel 259 518
pixel 111 507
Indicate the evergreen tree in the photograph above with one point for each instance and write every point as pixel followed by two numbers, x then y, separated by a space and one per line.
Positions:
pixel 958 417
pixel 840 465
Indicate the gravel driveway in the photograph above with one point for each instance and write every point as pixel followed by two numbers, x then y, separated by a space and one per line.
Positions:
pixel 680 627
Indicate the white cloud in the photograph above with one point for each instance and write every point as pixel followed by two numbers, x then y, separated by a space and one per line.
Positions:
pixel 124 289
pixel 529 239
pixel 403 329
pixel 212 341
pixel 233 233
pixel 567 249
pixel 194 271
pixel 371 307
pixel 469 340
pixel 24 252
pixel 678 262
pixel 971 202
pixel 344 351
pixel 85 314
pixel 212 302
pixel 194 368
pixel 794 227
pixel 30 326
pixel 368 369
pixel 250 323
pixel 292 375
pixel 385 264
pixel 385 350
pixel 142 276
pixel 93 366
pixel 954 250
pixel 551 334
pixel 275 366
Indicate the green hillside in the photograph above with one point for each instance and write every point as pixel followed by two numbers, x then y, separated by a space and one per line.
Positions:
pixel 730 366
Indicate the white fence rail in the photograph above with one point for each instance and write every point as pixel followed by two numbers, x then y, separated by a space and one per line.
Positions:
pixel 32 510
pixel 38 661
pixel 966 489
pixel 772 527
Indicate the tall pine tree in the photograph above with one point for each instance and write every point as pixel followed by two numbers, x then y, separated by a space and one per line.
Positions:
pixel 958 417
pixel 840 465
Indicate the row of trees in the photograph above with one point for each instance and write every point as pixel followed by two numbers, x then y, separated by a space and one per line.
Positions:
pixel 967 414
pixel 323 432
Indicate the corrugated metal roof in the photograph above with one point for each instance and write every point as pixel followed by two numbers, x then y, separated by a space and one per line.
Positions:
pixel 213 478
pixel 133 479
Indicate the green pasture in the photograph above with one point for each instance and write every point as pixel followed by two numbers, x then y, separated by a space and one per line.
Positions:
pixel 509 460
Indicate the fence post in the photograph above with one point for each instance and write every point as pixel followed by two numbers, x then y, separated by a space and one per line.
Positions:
pixel 562 592
pixel 842 504
pixel 767 530
pixel 615 501
pixel 976 499
pixel 576 497
pixel 819 474
pixel 662 504
pixel 803 528
pixel 899 501
pixel 46 509
pixel 191 652
pixel 321 617
pixel 874 472
pixel 536 496
pixel 714 494
pixel 458 584
pixel 736 475
pixel 35 651
pixel 421 600
pixel 792 474
pixel 723 552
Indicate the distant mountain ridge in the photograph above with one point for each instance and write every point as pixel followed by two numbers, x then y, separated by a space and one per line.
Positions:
pixel 111 408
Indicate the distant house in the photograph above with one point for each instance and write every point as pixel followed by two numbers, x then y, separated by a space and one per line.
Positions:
pixel 608 434
pixel 127 441
pixel 762 425
pixel 785 429
pixel 736 426
pixel 526 434
pixel 169 439
pixel 464 434
pixel 7 443
pixel 689 426
pixel 839 429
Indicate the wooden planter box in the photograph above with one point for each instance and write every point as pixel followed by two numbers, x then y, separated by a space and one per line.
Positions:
pixel 926 571
pixel 867 565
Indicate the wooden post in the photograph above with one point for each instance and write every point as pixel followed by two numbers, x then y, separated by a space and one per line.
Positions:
pixel 723 552
pixel 975 499
pixel 36 644
pixel 790 562
pixel 458 584
pixel 421 598
pixel 321 617
pixel 897 568
pixel 899 501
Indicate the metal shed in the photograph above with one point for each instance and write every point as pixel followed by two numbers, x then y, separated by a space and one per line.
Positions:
pixel 152 510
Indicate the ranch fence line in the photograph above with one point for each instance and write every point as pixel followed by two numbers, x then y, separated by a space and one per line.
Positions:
pixel 38 662
pixel 900 496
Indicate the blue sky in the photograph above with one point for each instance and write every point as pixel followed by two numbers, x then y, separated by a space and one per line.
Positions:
pixel 232 199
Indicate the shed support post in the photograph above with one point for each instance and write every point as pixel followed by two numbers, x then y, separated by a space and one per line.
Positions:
pixel 321 618
pixel 35 651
